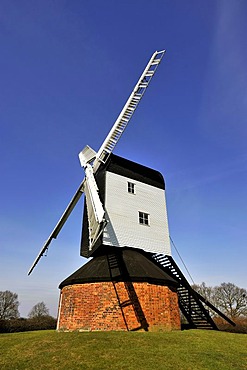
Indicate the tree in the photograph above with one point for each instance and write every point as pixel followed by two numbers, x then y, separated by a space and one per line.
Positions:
pixel 39 310
pixel 9 305
pixel 228 298
pixel 231 299
pixel 206 291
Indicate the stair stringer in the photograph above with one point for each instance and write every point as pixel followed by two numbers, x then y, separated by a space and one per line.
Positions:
pixel 189 300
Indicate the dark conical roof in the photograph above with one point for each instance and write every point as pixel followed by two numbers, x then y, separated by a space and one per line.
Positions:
pixel 120 264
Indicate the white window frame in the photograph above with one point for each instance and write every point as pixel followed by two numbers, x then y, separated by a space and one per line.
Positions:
pixel 144 218
pixel 131 186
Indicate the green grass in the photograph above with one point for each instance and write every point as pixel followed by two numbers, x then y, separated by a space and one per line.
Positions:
pixel 192 349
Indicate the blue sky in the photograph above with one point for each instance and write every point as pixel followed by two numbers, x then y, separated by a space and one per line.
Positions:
pixel 66 70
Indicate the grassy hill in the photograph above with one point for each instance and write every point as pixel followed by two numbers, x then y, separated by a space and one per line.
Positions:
pixel 192 349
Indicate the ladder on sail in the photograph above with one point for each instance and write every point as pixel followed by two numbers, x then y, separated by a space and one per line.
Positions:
pixel 128 110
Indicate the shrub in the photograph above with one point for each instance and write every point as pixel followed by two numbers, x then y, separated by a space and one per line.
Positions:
pixel 22 324
pixel 241 325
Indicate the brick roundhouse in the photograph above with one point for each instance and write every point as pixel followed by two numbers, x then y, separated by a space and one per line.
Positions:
pixel 122 289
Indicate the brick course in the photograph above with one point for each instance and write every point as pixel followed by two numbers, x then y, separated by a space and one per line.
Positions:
pixel 108 306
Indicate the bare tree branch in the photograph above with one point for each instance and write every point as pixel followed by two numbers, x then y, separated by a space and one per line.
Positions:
pixel 39 310
pixel 9 305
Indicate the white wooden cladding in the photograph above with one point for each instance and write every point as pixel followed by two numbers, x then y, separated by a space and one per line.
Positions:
pixel 122 213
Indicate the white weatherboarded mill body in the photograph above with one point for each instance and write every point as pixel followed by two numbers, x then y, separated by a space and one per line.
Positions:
pixel 133 197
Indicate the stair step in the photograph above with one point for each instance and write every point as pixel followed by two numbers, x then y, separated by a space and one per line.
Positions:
pixel 189 303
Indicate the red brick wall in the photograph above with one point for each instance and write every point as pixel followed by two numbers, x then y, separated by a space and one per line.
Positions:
pixel 95 306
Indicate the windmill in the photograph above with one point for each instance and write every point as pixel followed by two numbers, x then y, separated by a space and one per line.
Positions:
pixel 125 230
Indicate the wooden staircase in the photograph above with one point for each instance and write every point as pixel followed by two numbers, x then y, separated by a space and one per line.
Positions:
pixel 191 303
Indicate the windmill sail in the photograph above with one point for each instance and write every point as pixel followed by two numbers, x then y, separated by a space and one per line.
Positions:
pixel 128 109
pixel 59 225
pixel 88 155
pixel 95 220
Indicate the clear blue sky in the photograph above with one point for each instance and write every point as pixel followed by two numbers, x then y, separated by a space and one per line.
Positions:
pixel 66 69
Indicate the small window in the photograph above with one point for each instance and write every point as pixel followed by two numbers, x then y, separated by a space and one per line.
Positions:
pixel 143 218
pixel 131 188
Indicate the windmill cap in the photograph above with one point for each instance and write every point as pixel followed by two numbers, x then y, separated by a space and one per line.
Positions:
pixel 135 171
